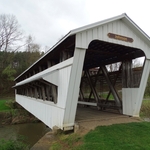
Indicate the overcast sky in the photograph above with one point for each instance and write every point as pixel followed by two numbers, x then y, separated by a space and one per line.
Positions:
pixel 49 20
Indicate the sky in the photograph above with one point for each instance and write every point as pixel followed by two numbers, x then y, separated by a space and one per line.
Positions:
pixel 49 20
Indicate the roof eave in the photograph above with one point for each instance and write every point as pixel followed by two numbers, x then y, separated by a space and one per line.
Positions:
pixel 51 49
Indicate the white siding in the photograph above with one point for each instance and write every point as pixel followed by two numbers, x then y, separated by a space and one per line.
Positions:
pixel 142 87
pixel 116 27
pixel 50 74
pixel 64 76
pixel 48 112
pixel 129 97
pixel 132 97
pixel 73 88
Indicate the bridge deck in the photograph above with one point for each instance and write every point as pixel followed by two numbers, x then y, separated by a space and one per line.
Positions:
pixel 89 118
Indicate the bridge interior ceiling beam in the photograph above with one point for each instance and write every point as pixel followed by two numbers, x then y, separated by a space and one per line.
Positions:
pixel 104 53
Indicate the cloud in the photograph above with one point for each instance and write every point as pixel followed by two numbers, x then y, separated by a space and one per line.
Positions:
pixel 48 20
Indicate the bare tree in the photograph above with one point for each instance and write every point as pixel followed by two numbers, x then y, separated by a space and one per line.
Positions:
pixel 10 33
pixel 31 46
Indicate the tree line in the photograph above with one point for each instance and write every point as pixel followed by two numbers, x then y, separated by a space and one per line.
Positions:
pixel 17 52
pixel 11 65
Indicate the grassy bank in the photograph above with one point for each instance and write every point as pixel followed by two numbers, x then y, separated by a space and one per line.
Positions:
pixel 133 136
pixel 12 144
pixel 3 105
pixel 145 109
pixel 13 113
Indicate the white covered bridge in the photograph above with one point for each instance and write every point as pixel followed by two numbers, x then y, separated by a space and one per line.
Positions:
pixel 74 72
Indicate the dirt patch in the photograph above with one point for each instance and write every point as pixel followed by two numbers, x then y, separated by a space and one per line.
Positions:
pixel 87 125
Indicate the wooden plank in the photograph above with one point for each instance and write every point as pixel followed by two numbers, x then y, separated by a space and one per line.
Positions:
pixel 124 84
pixel 35 92
pixel 49 63
pixel 92 87
pixel 54 93
pixel 43 93
pixel 114 82
pixel 111 86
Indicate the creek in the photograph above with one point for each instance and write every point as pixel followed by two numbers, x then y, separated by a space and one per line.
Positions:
pixel 31 132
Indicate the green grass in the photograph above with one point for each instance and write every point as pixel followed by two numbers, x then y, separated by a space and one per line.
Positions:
pixel 66 142
pixel 145 109
pixel 130 136
pixel 13 145
pixel 104 96
pixel 134 136
pixel 3 106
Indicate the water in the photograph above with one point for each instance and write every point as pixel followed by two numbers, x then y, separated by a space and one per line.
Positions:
pixel 32 132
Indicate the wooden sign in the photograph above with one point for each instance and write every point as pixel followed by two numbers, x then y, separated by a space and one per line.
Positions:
pixel 120 37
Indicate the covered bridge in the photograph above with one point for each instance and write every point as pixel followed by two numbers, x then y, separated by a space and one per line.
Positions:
pixel 77 71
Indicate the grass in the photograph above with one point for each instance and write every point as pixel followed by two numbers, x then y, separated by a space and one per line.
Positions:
pixel 13 145
pixel 133 136
pixel 3 106
pixel 66 142
pixel 145 109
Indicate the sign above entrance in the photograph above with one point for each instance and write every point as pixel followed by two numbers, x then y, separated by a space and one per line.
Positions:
pixel 120 37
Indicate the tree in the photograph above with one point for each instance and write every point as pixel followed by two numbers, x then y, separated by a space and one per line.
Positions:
pixel 10 33
pixel 31 46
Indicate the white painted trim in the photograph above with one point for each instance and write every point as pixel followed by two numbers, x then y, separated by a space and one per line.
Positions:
pixel 42 101
pixel 40 75
pixel 142 87
pixel 74 84
pixel 50 115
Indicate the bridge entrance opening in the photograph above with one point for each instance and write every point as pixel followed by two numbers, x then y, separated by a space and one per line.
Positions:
pixel 107 69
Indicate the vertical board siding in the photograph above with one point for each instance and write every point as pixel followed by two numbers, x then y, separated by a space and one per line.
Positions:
pixel 73 88
pixel 117 27
pixel 64 76
pixel 52 77
pixel 49 114
pixel 129 97
pixel 132 97
pixel 142 87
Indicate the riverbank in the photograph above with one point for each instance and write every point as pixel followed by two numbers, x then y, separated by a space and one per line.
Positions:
pixel 13 113
pixel 16 122
pixel 63 141
pixel 28 133
pixel 16 116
